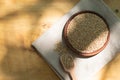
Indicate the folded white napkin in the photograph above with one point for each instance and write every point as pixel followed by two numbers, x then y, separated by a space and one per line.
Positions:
pixel 87 67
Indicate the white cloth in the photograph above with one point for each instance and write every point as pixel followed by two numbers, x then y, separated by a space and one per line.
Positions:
pixel 87 67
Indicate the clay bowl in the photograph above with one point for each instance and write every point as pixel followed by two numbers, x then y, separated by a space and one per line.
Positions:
pixel 80 53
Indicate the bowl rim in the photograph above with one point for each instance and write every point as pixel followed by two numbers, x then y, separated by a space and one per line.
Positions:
pixel 69 45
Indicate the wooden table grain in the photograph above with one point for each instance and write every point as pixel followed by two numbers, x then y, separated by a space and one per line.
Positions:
pixel 21 22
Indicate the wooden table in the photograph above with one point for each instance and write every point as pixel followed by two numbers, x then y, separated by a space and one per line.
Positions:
pixel 21 22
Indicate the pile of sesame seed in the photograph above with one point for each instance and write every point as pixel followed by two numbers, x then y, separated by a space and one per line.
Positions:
pixel 87 32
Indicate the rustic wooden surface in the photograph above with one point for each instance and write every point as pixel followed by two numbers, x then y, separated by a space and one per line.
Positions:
pixel 21 22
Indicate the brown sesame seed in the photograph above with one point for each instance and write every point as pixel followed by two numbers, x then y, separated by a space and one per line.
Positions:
pixel 87 32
